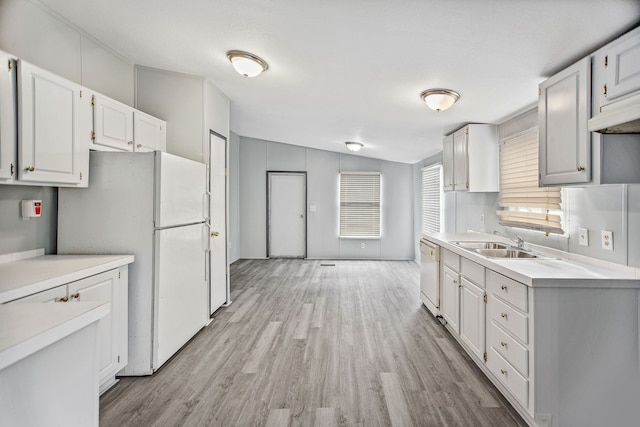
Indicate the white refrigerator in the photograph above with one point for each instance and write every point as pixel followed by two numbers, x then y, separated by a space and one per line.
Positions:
pixel 154 206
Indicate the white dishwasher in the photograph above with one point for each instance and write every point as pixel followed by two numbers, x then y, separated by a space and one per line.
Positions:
pixel 430 275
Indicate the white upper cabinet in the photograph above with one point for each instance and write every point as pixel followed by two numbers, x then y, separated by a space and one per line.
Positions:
pixel 622 68
pixel 470 159
pixel 8 109
pixel 53 129
pixel 564 108
pixel 149 132
pixel 119 127
pixel 460 160
pixel 113 125
pixel 447 163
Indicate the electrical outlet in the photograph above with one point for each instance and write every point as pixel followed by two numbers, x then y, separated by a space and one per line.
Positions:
pixel 312 208
pixel 361 245
pixel 607 240
pixel 583 237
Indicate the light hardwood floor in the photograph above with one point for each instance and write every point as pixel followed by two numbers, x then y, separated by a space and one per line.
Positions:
pixel 310 345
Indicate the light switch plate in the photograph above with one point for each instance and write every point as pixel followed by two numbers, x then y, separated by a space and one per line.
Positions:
pixel 312 208
pixel 583 237
pixel 607 240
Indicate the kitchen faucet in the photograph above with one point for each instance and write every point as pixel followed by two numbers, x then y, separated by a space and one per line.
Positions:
pixel 519 240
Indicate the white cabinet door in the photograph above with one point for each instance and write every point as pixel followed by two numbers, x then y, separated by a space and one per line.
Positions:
pixel 472 317
pixel 149 132
pixel 113 124
pixel 460 164
pixel 447 163
pixel 8 110
pixel 49 146
pixel 102 288
pixel 564 108
pixel 622 65
pixel 451 299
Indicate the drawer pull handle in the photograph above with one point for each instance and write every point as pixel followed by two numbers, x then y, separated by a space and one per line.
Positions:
pixel 502 343
pixel 503 315
pixel 503 287
pixel 64 299
pixel 76 295
pixel 503 372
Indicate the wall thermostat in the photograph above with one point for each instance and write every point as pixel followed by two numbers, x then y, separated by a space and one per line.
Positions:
pixel 31 209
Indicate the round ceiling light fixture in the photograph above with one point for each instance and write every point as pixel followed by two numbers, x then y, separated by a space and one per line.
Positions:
pixel 439 99
pixel 354 146
pixel 247 64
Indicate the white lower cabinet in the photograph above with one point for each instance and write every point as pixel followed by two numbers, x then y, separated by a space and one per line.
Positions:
pixel 450 299
pixel 112 287
pixel 472 317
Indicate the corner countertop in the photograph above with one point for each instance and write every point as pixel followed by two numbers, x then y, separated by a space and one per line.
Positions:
pixel 30 275
pixel 28 328
pixel 560 270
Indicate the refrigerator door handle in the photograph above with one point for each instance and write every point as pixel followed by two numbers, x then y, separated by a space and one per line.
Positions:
pixel 207 239
pixel 206 204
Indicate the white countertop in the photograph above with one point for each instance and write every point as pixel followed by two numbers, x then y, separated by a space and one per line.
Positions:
pixel 24 277
pixel 560 272
pixel 30 327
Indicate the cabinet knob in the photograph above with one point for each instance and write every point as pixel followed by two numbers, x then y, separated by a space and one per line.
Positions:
pixel 604 90
pixel 431 253
pixel 30 169
pixel 130 142
pixel 214 234
pixel 139 146
pixel 503 315
pixel 64 299
pixel 580 168
pixel 503 287
pixel 76 295
pixel 502 343
pixel 467 185
pixel 503 372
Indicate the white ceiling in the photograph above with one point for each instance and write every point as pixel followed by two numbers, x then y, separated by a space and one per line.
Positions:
pixel 353 70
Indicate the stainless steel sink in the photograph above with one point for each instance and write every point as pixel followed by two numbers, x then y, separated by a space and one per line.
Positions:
pixel 506 253
pixel 481 245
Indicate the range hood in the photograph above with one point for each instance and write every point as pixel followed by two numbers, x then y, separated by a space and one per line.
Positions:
pixel 618 117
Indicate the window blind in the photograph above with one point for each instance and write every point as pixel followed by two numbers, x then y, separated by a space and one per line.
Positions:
pixel 360 204
pixel 523 204
pixel 431 195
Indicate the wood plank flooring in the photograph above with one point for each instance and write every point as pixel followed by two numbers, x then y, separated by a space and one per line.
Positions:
pixel 310 345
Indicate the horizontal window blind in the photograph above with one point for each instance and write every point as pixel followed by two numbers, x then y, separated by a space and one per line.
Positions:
pixel 431 192
pixel 523 204
pixel 360 204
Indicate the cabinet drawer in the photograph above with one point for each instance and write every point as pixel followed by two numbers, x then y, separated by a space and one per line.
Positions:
pixel 472 271
pixel 517 385
pixel 451 260
pixel 508 289
pixel 509 318
pixel 514 352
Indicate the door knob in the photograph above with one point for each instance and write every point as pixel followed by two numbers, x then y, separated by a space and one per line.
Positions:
pixel 214 234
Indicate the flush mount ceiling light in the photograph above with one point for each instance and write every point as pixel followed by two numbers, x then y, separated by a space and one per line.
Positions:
pixel 354 146
pixel 247 64
pixel 439 99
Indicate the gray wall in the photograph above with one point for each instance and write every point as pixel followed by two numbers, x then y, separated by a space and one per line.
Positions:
pixel 30 33
pixel 234 197
pixel 323 168
pixel 610 207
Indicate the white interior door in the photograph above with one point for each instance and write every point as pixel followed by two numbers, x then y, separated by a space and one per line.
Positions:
pixel 218 278
pixel 287 220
